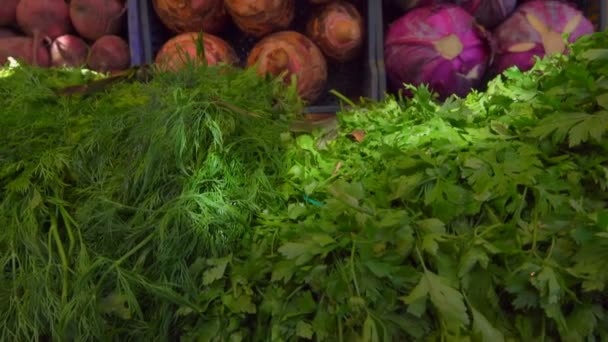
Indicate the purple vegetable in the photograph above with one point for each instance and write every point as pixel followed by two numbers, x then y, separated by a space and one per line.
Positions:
pixel 441 46
pixel 488 13
pixel 407 5
pixel 535 29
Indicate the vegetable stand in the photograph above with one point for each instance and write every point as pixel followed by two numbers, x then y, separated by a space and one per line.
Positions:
pixel 355 79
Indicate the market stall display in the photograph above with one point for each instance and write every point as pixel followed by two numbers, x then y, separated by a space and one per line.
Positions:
pixel 193 197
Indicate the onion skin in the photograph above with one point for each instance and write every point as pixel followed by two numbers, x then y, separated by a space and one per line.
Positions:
pixel 177 51
pixel 261 17
pixel 296 54
pixel 535 29
pixel 69 50
pixel 183 16
pixel 338 30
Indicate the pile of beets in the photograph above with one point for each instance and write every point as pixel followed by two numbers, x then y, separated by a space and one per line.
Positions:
pixel 57 33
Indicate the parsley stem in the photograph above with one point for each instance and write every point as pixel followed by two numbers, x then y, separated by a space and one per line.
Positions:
pixel 352 266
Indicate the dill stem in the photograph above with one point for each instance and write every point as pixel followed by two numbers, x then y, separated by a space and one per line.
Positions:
pixel 126 256
pixel 63 257
pixel 68 229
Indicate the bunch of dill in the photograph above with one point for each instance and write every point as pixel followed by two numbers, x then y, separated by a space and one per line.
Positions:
pixel 106 199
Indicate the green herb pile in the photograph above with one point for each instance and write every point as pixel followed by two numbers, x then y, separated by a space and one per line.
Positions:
pixel 476 219
pixel 107 199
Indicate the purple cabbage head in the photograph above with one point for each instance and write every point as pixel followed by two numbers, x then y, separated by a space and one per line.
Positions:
pixel 488 13
pixel 535 29
pixel 407 5
pixel 441 46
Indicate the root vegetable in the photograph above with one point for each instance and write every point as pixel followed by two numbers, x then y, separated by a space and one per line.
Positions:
pixel 43 18
pixel 181 49
pixel 8 12
pixel 5 33
pixel 338 30
pixel 69 50
pixel 260 17
pixel 23 49
pixel 183 16
pixel 295 54
pixel 109 54
pixel 93 19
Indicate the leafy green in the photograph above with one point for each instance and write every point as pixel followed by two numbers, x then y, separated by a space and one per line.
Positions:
pixel 475 219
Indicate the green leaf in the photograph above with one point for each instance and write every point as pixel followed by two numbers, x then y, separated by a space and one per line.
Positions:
pixel 304 330
pixel 602 100
pixel 595 54
pixel 217 271
pixel 378 268
pixel 483 329
pixel 546 281
pixel 448 301
pixel 471 258
pixel 116 304
pixel 370 331
pixel 242 303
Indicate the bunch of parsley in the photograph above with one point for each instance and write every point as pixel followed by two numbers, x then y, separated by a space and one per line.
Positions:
pixel 476 219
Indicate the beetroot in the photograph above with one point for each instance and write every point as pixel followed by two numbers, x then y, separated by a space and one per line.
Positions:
pixel 192 16
pixel 291 53
pixel 109 54
pixel 8 12
pixel 23 49
pixel 69 50
pixel 179 50
pixel 43 18
pixel 93 19
pixel 5 33
pixel 338 30
pixel 260 17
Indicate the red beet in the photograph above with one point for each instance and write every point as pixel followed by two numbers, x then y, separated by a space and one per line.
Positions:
pixel 108 54
pixel 96 18
pixel 46 18
pixel 69 50
pixel 23 49
pixel 8 12
pixel 5 33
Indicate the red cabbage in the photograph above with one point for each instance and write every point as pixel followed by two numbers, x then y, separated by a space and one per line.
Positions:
pixel 488 13
pixel 535 29
pixel 441 46
pixel 407 5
